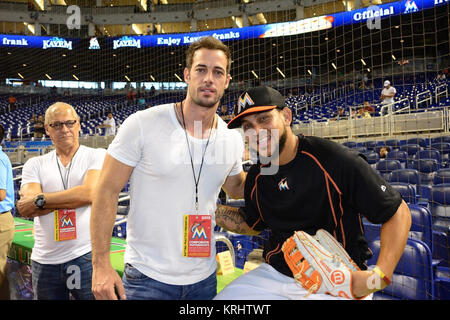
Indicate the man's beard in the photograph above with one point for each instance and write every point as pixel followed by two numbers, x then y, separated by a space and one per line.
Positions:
pixel 278 149
pixel 198 101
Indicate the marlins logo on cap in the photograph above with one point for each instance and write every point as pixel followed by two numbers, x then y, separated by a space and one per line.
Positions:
pixel 245 100
pixel 254 100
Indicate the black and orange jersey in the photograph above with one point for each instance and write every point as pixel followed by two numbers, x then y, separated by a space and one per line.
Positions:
pixel 326 186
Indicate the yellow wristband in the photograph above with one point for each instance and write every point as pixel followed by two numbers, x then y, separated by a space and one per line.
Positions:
pixel 378 271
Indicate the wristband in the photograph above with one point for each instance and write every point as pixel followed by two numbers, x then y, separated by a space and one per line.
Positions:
pixel 378 271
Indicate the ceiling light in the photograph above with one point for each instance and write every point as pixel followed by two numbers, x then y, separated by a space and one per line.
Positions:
pixel 178 77
pixel 278 69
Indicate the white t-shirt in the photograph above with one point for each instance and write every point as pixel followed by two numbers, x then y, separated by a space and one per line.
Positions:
pixel 162 189
pixel 389 91
pixel 44 170
pixel 110 131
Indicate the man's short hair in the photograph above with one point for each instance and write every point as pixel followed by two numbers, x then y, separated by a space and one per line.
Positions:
pixel 47 112
pixel 210 43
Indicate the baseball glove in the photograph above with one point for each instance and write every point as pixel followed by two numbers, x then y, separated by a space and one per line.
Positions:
pixel 320 264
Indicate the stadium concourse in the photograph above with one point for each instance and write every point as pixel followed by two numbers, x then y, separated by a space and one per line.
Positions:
pixel 330 60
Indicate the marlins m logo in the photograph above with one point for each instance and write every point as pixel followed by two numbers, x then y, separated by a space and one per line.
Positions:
pixel 66 221
pixel 282 185
pixel 244 101
pixel 198 232
pixel 410 6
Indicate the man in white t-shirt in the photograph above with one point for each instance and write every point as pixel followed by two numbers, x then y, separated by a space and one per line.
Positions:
pixel 388 93
pixel 57 190
pixel 110 125
pixel 177 156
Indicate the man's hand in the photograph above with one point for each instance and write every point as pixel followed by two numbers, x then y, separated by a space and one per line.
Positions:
pixel 366 282
pixel 105 280
pixel 26 207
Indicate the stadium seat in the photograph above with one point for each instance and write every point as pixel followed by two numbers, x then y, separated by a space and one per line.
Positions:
pixel 442 283
pixel 372 157
pixel 385 167
pixel 420 141
pixel 401 156
pixel 441 176
pixel 441 245
pixel 370 145
pixel 443 148
pixel 422 225
pixel 426 168
pixel 428 154
pixel 411 149
pixel 413 278
pixel 440 207
pixel 393 143
pixel 360 149
pixel 441 139
pixel 409 176
pixel 350 144
pixel 407 191
pixel 371 230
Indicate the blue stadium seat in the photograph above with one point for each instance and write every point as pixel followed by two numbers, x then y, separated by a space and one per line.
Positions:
pixel 420 141
pixel 372 157
pixel 399 155
pixel 370 145
pixel 443 148
pixel 410 176
pixel 360 149
pixel 407 191
pixel 441 245
pixel 428 154
pixel 385 167
pixel 393 143
pixel 440 139
pixel 413 278
pixel 411 149
pixel 350 144
pixel 441 176
pixel 440 207
pixel 426 168
pixel 442 283
pixel 371 230
pixel 422 225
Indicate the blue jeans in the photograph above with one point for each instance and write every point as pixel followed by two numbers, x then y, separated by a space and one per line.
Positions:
pixel 140 287
pixel 58 281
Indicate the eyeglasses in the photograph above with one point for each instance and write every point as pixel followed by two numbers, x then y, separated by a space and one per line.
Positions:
pixel 58 125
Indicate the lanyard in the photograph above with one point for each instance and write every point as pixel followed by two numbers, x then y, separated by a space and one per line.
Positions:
pixel 196 179
pixel 65 181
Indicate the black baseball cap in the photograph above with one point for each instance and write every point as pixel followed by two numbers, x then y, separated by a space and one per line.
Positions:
pixel 256 100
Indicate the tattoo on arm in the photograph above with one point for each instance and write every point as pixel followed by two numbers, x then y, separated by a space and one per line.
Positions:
pixel 231 219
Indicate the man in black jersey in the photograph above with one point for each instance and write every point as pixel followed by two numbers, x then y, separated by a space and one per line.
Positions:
pixel 312 183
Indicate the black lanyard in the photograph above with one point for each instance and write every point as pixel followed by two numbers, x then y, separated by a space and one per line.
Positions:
pixel 66 181
pixel 196 179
